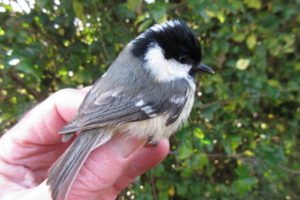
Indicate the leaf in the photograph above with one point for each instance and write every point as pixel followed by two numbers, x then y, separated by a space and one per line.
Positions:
pixel 162 184
pixel 251 41
pixel 221 17
pixel 43 3
pixel 245 184
pixel 242 171
pixel 145 25
pixel 184 152
pixel 256 4
pixel 133 4
pixel 210 110
pixel 199 161
pixel 163 194
pixel 297 67
pixel 239 37
pixel 186 172
pixel 79 10
pixel 242 64
pixel 171 191
pixel 2 32
pixel 198 133
pixel 159 170
pixel 181 188
pixel 159 11
pixel 274 83
pixel 27 69
pixel 235 138
pixel 273 92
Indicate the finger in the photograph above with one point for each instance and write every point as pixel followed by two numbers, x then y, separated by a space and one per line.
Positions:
pixel 104 167
pixel 146 159
pixel 35 193
pixel 34 142
pixel 41 124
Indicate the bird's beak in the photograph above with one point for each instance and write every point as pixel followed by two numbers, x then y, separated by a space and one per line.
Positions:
pixel 203 68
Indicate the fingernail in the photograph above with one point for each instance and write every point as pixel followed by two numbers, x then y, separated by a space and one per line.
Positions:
pixel 124 145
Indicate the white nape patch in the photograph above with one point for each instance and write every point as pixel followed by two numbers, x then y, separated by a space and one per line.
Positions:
pixel 158 28
pixel 162 69
pixel 177 100
pixel 147 109
pixel 139 103
pixel 162 26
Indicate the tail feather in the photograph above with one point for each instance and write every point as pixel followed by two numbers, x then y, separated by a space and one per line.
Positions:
pixel 63 172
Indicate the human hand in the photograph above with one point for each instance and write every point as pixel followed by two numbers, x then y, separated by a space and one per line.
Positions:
pixel 32 146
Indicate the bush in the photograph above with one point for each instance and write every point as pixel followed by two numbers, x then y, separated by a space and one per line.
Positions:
pixel 242 139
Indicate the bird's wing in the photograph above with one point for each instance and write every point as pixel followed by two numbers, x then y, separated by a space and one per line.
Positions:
pixel 116 106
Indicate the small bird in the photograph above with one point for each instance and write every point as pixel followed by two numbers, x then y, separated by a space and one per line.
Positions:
pixel 147 92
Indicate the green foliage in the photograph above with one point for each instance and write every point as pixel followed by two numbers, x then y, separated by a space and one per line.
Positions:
pixel 242 140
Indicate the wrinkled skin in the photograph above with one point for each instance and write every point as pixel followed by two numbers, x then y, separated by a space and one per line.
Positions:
pixel 32 145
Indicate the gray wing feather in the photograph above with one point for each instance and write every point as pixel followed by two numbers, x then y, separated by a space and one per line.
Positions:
pixel 109 109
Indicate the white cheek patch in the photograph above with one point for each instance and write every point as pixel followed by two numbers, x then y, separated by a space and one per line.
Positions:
pixel 162 69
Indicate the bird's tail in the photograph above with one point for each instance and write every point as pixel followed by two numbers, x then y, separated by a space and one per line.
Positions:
pixel 63 172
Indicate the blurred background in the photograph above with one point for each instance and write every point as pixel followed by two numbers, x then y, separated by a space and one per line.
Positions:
pixel 242 139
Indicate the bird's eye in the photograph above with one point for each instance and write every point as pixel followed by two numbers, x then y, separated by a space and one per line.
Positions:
pixel 183 58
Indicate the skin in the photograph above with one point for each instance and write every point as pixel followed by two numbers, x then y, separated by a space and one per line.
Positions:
pixel 32 146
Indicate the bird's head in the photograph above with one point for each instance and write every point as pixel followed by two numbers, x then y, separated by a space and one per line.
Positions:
pixel 170 50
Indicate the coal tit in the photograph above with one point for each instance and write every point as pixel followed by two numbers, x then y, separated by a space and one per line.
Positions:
pixel 147 92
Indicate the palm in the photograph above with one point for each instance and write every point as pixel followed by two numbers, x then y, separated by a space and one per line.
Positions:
pixel 33 145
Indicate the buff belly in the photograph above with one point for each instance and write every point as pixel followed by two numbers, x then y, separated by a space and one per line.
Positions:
pixel 155 128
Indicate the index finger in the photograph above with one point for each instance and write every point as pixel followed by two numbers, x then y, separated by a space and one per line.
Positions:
pixel 41 124
pixel 34 142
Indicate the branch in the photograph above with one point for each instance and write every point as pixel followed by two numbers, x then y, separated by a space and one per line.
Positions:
pixel 252 96
pixel 254 160
pixel 152 181
pixel 224 101
pixel 20 82
pixel 234 156
pixel 292 171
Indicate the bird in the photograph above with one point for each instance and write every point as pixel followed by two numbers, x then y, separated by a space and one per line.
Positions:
pixel 147 92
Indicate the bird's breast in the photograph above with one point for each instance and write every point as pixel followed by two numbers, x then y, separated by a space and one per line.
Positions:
pixel 155 127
